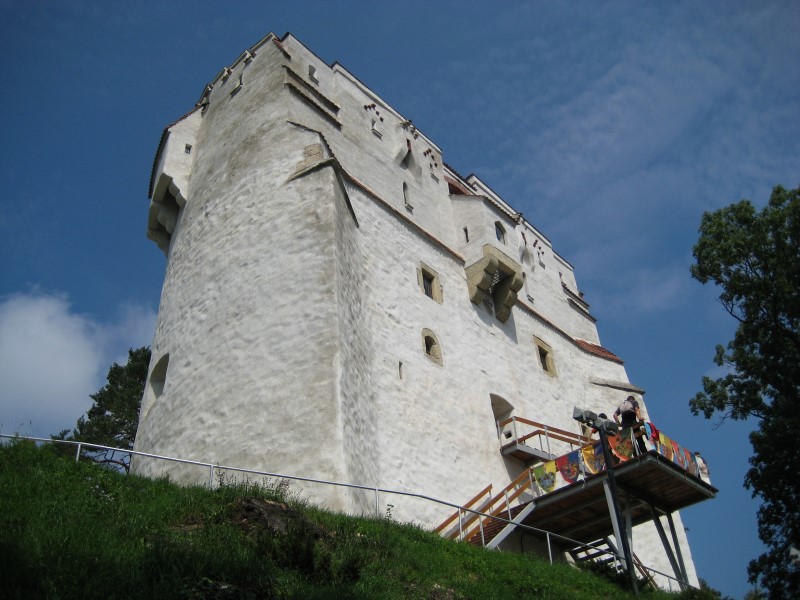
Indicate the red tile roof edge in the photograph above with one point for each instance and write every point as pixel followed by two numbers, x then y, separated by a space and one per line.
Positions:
pixel 458 185
pixel 598 350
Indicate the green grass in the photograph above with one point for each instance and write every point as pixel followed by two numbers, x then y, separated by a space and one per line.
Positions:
pixel 72 530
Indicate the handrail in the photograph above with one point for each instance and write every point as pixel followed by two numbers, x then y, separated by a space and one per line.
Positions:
pixel 472 502
pixel 552 435
pixel 643 570
pixel 376 489
pixel 491 507
pixel 465 526
pixel 219 467
pixel 545 428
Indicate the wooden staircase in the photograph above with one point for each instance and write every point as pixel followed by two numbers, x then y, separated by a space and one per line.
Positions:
pixel 517 434
pixel 467 525
pixel 496 530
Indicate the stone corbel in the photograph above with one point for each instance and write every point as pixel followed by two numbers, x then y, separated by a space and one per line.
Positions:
pixel 497 275
pixel 505 296
pixel 479 278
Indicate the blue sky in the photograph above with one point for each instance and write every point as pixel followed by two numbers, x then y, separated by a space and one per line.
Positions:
pixel 611 126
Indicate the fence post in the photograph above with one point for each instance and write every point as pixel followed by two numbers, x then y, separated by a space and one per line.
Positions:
pixel 377 510
pixel 78 453
pixel 460 526
pixel 549 550
pixel 211 478
pixel 547 438
pixel 480 522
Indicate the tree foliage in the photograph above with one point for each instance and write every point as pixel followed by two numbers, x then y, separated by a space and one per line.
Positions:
pixel 114 416
pixel 754 257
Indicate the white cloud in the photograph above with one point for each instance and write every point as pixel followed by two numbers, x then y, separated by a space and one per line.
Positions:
pixel 52 359
pixel 133 328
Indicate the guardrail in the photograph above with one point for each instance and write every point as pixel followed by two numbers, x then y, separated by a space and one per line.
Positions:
pixel 509 430
pixel 585 456
pixel 377 490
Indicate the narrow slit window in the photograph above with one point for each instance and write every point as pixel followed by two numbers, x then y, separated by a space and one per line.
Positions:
pixel 407 198
pixel 427 285
pixel 543 358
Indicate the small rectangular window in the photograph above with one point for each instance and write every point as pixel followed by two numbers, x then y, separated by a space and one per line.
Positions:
pixel 429 283
pixel 545 354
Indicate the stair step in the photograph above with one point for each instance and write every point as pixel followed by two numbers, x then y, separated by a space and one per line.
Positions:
pixel 591 556
pixel 494 526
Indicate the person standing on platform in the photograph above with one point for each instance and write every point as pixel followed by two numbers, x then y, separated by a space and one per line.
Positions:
pixel 629 414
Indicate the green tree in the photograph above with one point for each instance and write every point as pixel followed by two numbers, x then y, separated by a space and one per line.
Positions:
pixel 754 257
pixel 754 594
pixel 114 416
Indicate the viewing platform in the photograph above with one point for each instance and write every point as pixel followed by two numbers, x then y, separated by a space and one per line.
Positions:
pixel 568 495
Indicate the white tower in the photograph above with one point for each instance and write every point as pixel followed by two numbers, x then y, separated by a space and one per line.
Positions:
pixel 339 304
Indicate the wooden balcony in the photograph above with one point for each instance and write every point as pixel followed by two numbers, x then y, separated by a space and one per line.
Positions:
pixel 571 494
pixel 580 511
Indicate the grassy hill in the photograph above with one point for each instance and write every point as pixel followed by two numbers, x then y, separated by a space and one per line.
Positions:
pixel 72 530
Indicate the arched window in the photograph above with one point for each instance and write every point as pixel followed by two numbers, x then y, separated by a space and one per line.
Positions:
pixel 500 232
pixel 430 344
pixel 503 412
pixel 158 378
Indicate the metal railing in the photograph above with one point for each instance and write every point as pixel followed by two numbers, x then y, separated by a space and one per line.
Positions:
pixel 690 462
pixel 377 490
pixel 537 431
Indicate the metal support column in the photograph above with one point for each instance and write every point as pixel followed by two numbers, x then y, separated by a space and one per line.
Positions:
pixel 628 520
pixel 677 547
pixel 612 508
pixel 610 485
pixel 668 549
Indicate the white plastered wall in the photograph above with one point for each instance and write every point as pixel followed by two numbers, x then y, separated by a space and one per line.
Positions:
pixel 292 315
